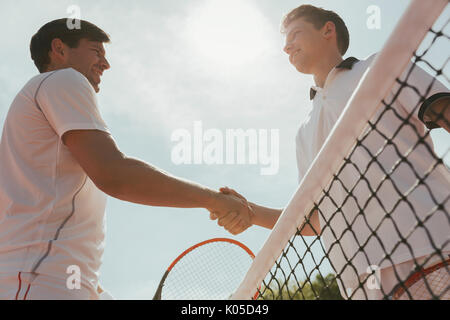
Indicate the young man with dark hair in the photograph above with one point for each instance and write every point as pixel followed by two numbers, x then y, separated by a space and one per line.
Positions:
pixel 316 40
pixel 57 162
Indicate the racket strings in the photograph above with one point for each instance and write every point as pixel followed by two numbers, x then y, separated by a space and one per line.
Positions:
pixel 211 271
pixel 434 285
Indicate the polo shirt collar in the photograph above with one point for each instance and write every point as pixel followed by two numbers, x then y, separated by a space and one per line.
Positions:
pixel 346 64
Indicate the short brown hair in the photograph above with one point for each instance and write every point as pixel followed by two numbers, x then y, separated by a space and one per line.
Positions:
pixel 40 44
pixel 318 17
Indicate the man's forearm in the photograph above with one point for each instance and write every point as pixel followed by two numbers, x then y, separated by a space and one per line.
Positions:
pixel 265 217
pixel 136 181
pixel 268 217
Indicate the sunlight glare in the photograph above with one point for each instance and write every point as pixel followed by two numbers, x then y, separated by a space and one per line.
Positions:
pixel 228 33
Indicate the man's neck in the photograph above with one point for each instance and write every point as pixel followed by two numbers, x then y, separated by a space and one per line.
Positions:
pixel 324 68
pixel 53 67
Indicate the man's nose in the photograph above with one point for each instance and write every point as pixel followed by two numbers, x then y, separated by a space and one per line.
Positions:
pixel 288 48
pixel 105 64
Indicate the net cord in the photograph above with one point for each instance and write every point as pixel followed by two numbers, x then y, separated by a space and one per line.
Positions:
pixel 388 65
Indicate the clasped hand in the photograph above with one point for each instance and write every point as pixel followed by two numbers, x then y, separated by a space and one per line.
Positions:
pixel 234 214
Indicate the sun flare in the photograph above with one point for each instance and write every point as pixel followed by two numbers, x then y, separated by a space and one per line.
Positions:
pixel 228 33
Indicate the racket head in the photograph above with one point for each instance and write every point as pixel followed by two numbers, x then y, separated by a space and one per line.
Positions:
pixel 426 284
pixel 209 270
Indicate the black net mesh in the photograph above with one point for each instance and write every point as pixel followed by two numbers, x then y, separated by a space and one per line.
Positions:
pixel 384 216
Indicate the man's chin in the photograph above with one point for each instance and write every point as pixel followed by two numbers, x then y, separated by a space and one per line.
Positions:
pixel 302 69
pixel 95 86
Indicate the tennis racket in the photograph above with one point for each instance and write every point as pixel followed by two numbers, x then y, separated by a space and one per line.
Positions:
pixel 419 285
pixel 209 270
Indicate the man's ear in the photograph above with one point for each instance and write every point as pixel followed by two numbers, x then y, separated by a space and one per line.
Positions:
pixel 329 30
pixel 58 50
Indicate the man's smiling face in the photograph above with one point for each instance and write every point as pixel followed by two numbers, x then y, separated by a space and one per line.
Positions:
pixel 304 45
pixel 89 59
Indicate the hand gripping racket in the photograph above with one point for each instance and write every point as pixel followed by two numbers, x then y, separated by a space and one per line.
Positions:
pixel 209 270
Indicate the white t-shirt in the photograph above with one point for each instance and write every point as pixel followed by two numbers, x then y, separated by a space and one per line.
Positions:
pixel 51 213
pixel 343 242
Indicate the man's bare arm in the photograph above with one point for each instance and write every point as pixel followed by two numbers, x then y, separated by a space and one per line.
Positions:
pixel 267 218
pixel 136 181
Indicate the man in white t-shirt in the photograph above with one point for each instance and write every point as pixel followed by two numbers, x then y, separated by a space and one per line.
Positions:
pixel 316 40
pixel 58 161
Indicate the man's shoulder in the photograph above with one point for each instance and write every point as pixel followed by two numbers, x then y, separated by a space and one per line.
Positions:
pixel 357 70
pixel 370 57
pixel 61 77
pixel 68 78
pixel 366 62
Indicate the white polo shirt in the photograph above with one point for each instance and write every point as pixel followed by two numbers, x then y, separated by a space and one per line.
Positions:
pixel 343 242
pixel 51 213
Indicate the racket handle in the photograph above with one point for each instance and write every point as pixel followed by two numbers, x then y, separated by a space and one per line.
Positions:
pixel 158 292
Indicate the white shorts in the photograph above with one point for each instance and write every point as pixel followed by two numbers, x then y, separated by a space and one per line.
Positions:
pixel 34 286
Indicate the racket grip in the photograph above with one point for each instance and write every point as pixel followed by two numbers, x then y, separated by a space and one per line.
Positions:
pixel 158 292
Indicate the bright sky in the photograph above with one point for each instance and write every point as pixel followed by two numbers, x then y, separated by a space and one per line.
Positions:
pixel 173 63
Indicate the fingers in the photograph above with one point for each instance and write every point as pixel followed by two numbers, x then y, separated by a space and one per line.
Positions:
pixel 226 190
pixel 234 223
pixel 213 216
pixel 234 214
pixel 230 221
pixel 240 227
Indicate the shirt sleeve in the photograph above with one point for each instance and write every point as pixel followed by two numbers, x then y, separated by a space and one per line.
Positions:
pixel 418 88
pixel 68 102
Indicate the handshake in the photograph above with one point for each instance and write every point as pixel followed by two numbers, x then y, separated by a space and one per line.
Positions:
pixel 232 211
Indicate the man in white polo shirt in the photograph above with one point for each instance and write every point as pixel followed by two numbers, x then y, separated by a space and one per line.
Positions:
pixel 57 163
pixel 316 41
